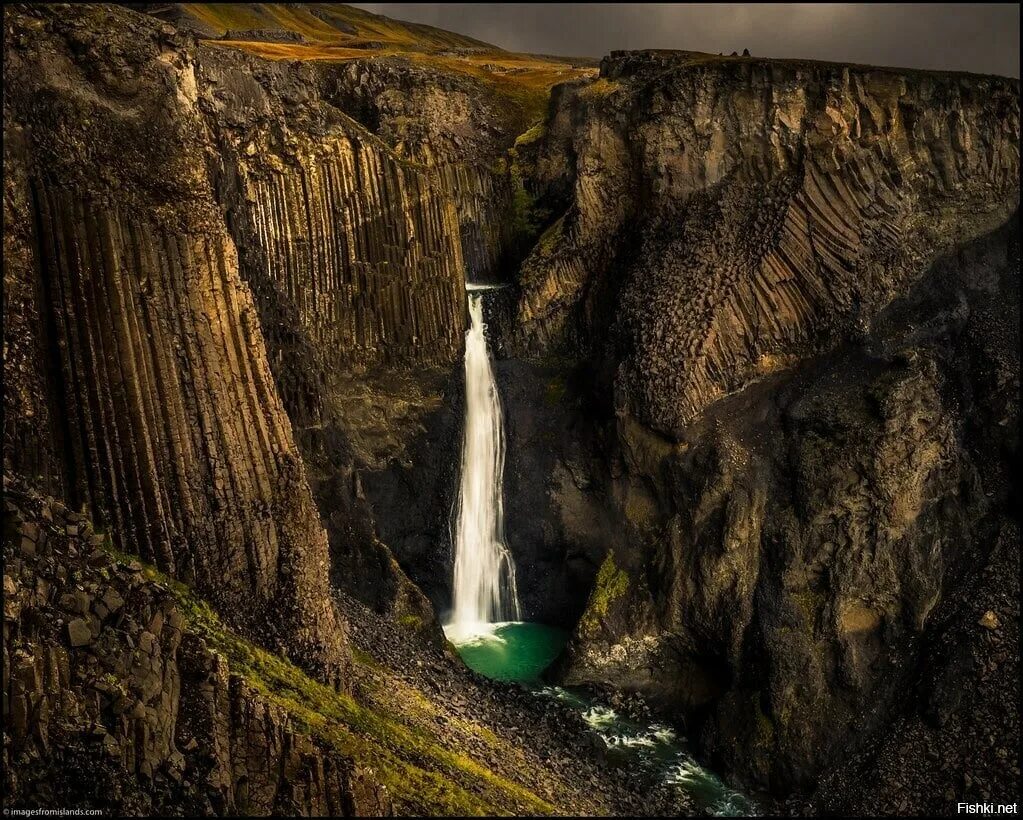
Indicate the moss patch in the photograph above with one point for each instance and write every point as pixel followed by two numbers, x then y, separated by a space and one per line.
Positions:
pixel 610 585
pixel 411 621
pixel 423 776
pixel 524 224
pixel 534 134
pixel 599 88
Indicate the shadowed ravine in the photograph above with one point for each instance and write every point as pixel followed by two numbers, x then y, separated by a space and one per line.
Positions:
pixel 719 465
pixel 484 594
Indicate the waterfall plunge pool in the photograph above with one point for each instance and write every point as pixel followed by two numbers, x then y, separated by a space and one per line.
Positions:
pixel 519 652
pixel 514 651
pixel 485 599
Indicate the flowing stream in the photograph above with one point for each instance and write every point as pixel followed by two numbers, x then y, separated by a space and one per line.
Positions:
pixel 520 652
pixel 485 624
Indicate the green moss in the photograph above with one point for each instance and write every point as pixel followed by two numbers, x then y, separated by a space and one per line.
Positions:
pixel 527 216
pixel 610 585
pixel 423 776
pixel 548 241
pixel 523 221
pixel 534 134
pixel 411 621
pixel 365 659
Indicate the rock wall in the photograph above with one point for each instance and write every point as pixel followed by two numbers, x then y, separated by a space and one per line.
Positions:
pixel 111 701
pixel 959 743
pixel 233 290
pixel 164 418
pixel 796 478
pixel 728 217
pixel 786 563
pixel 349 272
pixel 356 242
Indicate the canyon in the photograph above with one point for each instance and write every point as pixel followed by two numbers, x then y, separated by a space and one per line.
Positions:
pixel 757 356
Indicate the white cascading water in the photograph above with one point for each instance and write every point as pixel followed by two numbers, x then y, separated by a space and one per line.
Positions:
pixel 484 583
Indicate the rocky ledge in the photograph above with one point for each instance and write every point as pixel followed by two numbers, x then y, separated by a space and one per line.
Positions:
pixel 113 701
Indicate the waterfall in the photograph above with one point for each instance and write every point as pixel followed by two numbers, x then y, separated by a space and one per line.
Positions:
pixel 484 582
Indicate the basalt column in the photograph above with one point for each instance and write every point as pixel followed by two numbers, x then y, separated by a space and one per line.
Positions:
pixel 175 438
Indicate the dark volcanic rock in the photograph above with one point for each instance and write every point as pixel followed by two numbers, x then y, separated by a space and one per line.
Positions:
pixel 162 416
pixel 558 524
pixel 800 541
pixel 759 370
pixel 768 265
pixel 126 709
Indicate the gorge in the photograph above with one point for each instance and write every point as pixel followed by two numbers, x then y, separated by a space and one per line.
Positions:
pixel 347 358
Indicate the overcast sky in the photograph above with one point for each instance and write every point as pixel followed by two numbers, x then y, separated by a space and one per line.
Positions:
pixel 970 37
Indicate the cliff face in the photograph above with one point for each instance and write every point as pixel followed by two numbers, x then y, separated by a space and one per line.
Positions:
pixel 759 365
pixel 751 212
pixel 235 187
pixel 164 418
pixel 771 264
pixel 116 702
pixel 798 553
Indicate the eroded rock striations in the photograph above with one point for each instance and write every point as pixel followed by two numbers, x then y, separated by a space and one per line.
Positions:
pixel 165 420
pixel 797 281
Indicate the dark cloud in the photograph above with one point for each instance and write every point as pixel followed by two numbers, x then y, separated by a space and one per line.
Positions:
pixel 969 37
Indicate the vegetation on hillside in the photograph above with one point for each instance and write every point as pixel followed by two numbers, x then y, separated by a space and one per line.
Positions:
pixel 384 727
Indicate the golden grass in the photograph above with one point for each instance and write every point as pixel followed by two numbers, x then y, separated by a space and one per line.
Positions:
pixel 345 33
pixel 332 23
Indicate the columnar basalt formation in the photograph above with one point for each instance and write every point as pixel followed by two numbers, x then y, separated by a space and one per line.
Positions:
pixel 779 207
pixel 354 258
pixel 356 242
pixel 368 253
pixel 802 544
pixel 759 366
pixel 720 225
pixel 361 246
pixel 164 419
pixel 114 701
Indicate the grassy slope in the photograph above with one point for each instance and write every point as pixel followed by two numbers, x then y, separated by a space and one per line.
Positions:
pixel 332 23
pixel 340 33
pixel 387 727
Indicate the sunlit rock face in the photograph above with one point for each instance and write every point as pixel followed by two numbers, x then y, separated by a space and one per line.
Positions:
pixel 93 648
pixel 164 418
pixel 742 214
pixel 797 282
